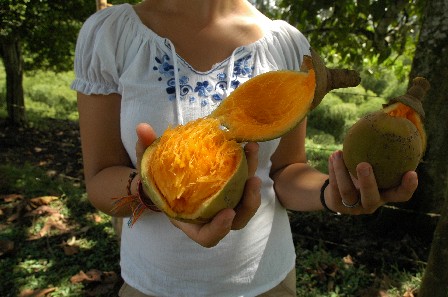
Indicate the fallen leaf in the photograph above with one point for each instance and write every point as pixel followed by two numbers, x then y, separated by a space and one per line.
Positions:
pixel 70 246
pixel 36 293
pixel 12 197
pixel 71 241
pixel 44 209
pixel 20 209
pixel 409 293
pixel 70 250
pixel 51 173
pixel 348 260
pixel 43 200
pixel 104 287
pixel 51 224
pixel 13 217
pixel 93 275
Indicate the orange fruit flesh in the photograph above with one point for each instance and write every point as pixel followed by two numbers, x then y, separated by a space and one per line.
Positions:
pixel 268 106
pixel 401 110
pixel 192 163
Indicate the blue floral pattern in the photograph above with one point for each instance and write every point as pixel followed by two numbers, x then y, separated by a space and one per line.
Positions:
pixel 205 91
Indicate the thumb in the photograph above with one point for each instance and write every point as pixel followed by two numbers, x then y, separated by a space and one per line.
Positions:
pixel 146 136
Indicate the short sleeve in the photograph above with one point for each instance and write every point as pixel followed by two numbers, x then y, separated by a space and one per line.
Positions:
pixel 96 70
pixel 301 45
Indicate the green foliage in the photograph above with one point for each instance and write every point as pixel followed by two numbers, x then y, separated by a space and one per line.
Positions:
pixel 319 146
pixel 13 15
pixel 350 31
pixel 389 79
pixel 340 109
pixel 47 30
pixel 333 115
pixel 48 94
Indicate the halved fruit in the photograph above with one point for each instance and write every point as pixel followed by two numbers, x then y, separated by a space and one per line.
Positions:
pixel 194 171
pixel 267 106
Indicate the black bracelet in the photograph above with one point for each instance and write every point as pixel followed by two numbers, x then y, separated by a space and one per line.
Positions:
pixel 322 197
pixel 132 175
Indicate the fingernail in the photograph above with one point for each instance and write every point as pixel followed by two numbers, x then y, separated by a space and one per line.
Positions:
pixel 413 180
pixel 363 170
pixel 338 155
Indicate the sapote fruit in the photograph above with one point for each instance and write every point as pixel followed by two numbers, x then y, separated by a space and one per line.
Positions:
pixel 392 139
pixel 195 170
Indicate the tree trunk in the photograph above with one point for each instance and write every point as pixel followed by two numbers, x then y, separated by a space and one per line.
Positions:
pixel 13 62
pixel 435 278
pixel 431 61
pixel 101 4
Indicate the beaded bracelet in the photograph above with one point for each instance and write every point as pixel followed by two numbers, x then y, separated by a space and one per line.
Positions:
pixel 138 202
pixel 322 197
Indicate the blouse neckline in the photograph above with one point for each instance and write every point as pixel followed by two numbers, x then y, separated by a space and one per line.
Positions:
pixel 150 34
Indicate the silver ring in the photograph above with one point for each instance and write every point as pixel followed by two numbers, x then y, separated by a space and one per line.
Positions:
pixel 356 204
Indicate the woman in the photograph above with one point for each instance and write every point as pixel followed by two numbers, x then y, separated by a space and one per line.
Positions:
pixel 169 62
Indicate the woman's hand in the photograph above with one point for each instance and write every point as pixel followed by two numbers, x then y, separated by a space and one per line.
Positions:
pixel 209 235
pixel 348 195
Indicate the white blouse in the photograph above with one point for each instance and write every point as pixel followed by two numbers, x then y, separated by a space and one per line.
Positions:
pixel 117 53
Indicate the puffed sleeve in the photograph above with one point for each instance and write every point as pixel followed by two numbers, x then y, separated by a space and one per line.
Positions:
pixel 291 44
pixel 96 65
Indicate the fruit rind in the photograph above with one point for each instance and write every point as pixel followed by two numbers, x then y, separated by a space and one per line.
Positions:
pixel 390 151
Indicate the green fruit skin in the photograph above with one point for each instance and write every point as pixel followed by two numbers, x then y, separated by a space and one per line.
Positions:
pixel 228 197
pixel 392 146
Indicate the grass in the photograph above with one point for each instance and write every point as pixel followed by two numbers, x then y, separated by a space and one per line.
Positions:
pixel 326 266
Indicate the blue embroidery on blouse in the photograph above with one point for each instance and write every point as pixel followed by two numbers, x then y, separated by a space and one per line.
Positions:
pixel 165 68
pixel 203 90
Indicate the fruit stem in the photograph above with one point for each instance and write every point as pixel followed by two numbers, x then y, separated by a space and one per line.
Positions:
pixel 329 79
pixel 415 95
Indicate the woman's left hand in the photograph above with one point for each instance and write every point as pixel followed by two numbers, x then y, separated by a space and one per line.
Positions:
pixel 348 195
